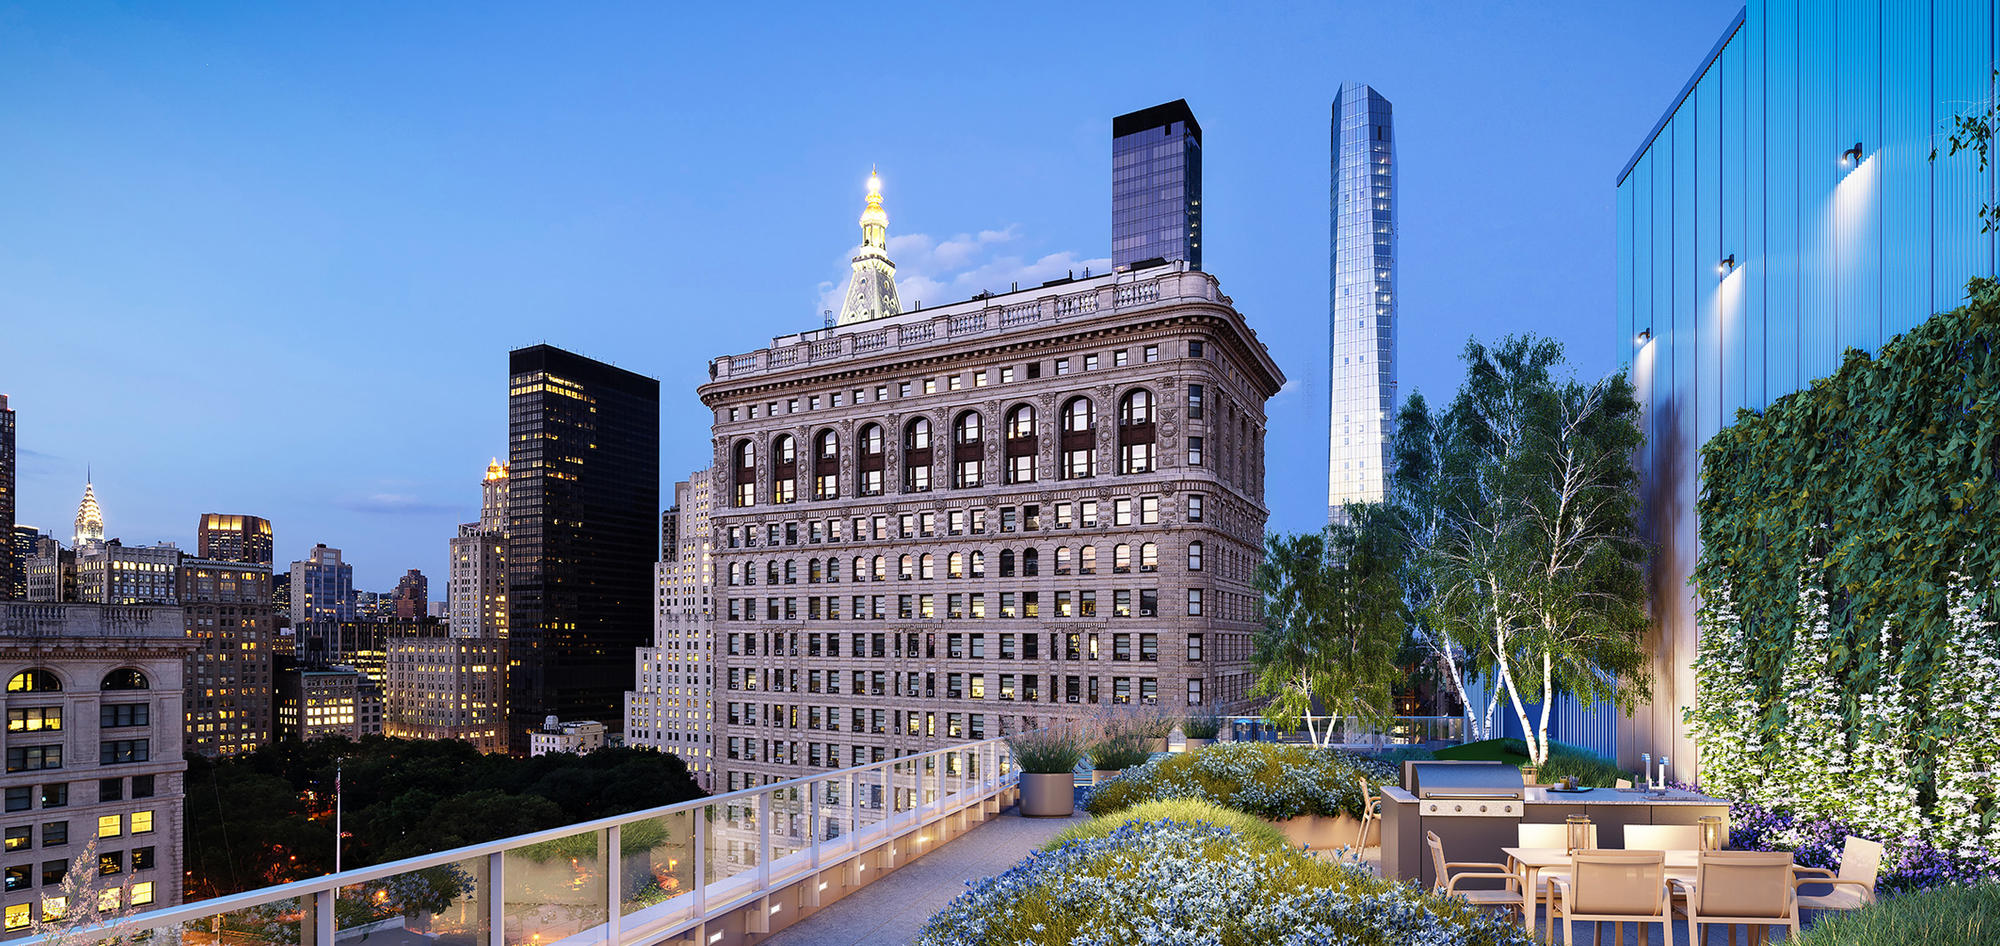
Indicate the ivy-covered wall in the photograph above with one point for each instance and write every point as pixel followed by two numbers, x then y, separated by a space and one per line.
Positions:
pixel 1850 549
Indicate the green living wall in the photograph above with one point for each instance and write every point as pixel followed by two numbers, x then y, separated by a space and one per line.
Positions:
pixel 1850 546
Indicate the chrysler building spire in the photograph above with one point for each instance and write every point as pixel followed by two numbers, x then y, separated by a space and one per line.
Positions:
pixel 89 519
pixel 871 291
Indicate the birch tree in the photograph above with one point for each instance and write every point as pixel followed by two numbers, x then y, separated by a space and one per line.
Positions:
pixel 1526 549
pixel 1333 623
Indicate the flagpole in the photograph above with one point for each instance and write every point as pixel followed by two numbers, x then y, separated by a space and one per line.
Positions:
pixel 336 816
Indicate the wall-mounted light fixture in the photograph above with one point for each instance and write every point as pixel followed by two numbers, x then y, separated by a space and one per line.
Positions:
pixel 1727 266
pixel 1851 156
pixel 1645 335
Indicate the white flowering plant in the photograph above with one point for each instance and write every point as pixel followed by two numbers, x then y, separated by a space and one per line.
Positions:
pixel 1269 780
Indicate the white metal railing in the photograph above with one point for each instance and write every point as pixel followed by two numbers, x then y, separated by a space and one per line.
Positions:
pixel 675 868
pixel 1352 732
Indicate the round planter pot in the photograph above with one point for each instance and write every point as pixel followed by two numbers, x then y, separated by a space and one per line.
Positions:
pixel 1048 794
pixel 1319 832
pixel 1193 743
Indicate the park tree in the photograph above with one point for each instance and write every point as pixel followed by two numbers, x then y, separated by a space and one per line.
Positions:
pixel 1520 505
pixel 1333 622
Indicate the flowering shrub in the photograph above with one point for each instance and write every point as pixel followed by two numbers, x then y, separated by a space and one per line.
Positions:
pixel 1909 862
pixel 1173 882
pixel 1265 779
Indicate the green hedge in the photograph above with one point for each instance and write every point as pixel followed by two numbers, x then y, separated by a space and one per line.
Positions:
pixel 1269 780
pixel 1850 543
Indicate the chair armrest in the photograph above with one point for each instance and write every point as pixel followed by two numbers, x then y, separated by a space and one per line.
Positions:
pixel 1560 884
pixel 1867 890
pixel 1676 883
pixel 1816 871
pixel 1488 865
pixel 1452 885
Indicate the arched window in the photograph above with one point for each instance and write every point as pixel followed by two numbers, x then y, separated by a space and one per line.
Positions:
pixel 1121 559
pixel 35 680
pixel 784 470
pixel 1079 439
pixel 906 568
pixel 1020 447
pixel 869 469
pixel 881 568
pixel 1135 432
pixel 833 569
pixel 826 466
pixel 1006 563
pixel 917 456
pixel 977 564
pixel 1149 557
pixel 955 565
pixel 791 571
pixel 750 572
pixel 1062 560
pixel 771 572
pixel 745 478
pixel 813 572
pixel 1031 563
pixel 125 678
pixel 735 573
pixel 1194 556
pixel 926 566
pixel 968 451
pixel 1086 560
pixel 860 568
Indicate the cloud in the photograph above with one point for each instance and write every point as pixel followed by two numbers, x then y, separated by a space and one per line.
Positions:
pixel 391 504
pixel 938 272
pixel 1290 385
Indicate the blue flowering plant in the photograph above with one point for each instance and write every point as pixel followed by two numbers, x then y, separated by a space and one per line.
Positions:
pixel 1198 883
pixel 1269 780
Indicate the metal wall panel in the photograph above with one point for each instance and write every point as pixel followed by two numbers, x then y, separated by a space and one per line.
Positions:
pixel 1704 281
pixel 1781 199
pixel 1906 166
pixel 1962 55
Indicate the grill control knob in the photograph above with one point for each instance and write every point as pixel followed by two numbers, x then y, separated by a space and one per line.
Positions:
pixel 1482 808
pixel 1458 807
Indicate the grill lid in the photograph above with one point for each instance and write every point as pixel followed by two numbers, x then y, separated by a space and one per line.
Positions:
pixel 1466 780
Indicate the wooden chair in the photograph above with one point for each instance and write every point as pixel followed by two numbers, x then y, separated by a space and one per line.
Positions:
pixel 1853 887
pixel 1449 873
pixel 1662 837
pixel 1550 835
pixel 1750 888
pixel 1614 887
pixel 1371 812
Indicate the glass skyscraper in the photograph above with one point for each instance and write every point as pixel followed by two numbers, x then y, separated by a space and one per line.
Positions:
pixel 1156 185
pixel 1362 299
pixel 583 506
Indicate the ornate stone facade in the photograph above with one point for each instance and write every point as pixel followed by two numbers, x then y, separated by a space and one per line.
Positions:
pixel 962 522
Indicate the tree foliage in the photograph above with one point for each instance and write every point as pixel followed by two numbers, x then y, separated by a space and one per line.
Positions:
pixel 1520 504
pixel 1333 621
pixel 266 818
pixel 1849 661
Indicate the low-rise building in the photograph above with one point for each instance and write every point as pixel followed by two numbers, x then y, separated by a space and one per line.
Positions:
pixel 93 751
pixel 327 701
pixel 579 737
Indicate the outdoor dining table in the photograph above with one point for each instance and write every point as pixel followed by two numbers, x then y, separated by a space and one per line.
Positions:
pixel 1530 862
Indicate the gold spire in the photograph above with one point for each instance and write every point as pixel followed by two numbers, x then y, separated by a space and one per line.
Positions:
pixel 89 518
pixel 496 470
pixel 871 291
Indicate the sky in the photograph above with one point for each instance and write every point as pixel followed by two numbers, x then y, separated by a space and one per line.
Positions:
pixel 270 258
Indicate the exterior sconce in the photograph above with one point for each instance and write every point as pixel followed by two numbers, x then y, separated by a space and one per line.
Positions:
pixel 1645 335
pixel 1727 266
pixel 1851 156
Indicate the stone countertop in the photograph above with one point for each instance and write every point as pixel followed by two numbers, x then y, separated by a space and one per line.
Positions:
pixel 1595 796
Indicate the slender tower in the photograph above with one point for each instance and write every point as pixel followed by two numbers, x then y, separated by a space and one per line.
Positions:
pixel 1362 300
pixel 89 519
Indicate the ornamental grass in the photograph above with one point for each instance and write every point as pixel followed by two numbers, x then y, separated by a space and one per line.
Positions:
pixel 1176 882
pixel 1269 780
pixel 1942 916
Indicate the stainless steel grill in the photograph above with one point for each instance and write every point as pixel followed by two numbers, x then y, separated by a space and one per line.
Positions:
pixel 1467 789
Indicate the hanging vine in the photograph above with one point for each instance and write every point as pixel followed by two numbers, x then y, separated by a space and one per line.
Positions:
pixel 1849 662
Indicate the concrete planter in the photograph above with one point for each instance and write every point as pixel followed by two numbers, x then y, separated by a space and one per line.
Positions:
pixel 1100 776
pixel 1193 743
pixel 1048 794
pixel 1319 832
pixel 1157 745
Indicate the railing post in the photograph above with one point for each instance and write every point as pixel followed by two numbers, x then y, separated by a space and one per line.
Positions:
pixel 700 890
pixel 496 898
pixel 764 840
pixel 813 795
pixel 854 808
pixel 614 882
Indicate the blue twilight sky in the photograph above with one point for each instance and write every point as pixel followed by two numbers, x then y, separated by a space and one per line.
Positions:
pixel 270 258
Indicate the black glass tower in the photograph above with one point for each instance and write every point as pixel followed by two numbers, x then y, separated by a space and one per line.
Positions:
pixel 583 532
pixel 1156 185
pixel 13 561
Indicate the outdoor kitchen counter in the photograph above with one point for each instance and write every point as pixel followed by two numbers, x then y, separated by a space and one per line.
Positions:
pixel 1404 821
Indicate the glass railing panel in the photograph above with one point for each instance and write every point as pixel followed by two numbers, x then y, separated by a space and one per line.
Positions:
pixel 789 830
pixel 735 836
pixel 278 923
pixel 835 825
pixel 656 866
pixel 872 796
pixel 446 905
pixel 556 890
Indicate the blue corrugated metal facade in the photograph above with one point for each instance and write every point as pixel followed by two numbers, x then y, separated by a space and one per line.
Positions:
pixel 1829 253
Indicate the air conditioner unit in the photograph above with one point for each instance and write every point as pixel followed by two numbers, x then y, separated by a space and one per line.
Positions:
pixel 1145 612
